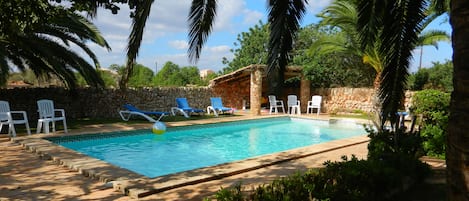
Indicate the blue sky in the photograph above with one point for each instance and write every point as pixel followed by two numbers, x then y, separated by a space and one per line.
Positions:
pixel 165 36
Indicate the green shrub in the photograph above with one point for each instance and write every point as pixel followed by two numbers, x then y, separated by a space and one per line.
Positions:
pixel 350 180
pixel 433 106
pixel 439 77
pixel 385 144
pixel 364 180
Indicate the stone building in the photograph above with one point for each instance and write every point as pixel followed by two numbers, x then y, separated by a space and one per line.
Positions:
pixel 248 87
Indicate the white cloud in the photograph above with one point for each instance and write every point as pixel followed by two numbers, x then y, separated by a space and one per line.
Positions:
pixel 226 11
pixel 219 49
pixel 229 11
pixel 317 5
pixel 252 17
pixel 210 59
pixel 166 31
pixel 178 44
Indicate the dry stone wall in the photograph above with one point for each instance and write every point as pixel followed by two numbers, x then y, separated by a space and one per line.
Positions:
pixel 103 103
pixel 345 99
pixel 335 100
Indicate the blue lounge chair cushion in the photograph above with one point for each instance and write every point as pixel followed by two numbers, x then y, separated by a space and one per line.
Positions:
pixel 217 104
pixel 134 109
pixel 184 105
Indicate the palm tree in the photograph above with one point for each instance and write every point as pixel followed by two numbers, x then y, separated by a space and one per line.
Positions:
pixel 457 146
pixel 142 11
pixel 431 37
pixel 457 149
pixel 343 14
pixel 396 24
pixel 284 17
pixel 45 49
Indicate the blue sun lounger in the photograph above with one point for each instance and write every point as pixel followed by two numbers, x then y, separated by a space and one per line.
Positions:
pixel 184 108
pixel 217 106
pixel 132 110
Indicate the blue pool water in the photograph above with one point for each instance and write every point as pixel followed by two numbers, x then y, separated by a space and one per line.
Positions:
pixel 191 147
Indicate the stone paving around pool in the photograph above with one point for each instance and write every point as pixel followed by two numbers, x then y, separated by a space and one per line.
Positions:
pixel 27 176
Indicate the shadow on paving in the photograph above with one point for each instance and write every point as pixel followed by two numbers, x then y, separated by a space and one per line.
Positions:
pixel 24 176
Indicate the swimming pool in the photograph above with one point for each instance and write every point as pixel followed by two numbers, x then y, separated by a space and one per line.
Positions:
pixel 191 147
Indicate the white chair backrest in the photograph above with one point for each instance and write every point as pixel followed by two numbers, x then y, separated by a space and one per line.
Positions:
pixel 316 100
pixel 272 100
pixel 45 108
pixel 292 100
pixel 4 106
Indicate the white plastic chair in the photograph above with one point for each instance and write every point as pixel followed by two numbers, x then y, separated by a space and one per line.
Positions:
pixel 6 118
pixel 47 114
pixel 314 103
pixel 275 104
pixel 294 104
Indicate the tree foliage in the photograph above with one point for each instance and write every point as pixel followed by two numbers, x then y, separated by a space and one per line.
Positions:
pixel 173 75
pixel 141 75
pixel 251 48
pixel 439 77
pixel 334 69
pixel 324 70
pixel 433 105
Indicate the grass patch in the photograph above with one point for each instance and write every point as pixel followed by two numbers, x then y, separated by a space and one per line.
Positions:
pixel 353 116
pixel 77 123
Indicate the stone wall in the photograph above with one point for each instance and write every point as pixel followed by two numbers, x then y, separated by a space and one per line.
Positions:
pixel 351 99
pixel 345 99
pixel 103 103
pixel 234 92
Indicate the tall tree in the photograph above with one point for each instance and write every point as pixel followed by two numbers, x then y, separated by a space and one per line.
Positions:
pixel 142 11
pixel 396 25
pixel 343 14
pixel 334 69
pixel 168 75
pixel 190 75
pixel 141 75
pixel 252 48
pixel 457 147
pixel 284 21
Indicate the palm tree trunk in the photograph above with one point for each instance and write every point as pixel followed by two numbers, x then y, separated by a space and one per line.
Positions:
pixel 457 151
pixel 421 55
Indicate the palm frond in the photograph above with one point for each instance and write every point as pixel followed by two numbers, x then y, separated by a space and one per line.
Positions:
pixel 201 17
pixel 45 57
pixel 369 21
pixel 373 57
pixel 342 14
pixel 330 44
pixel 284 18
pixel 432 37
pixel 81 27
pixel 142 11
pixel 402 23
